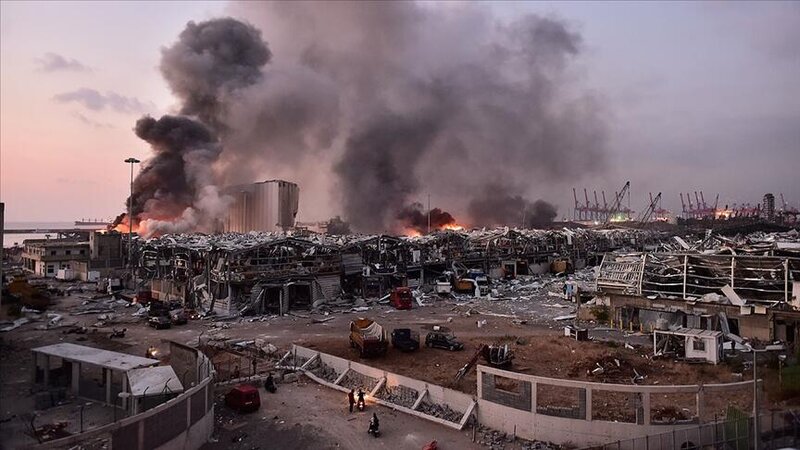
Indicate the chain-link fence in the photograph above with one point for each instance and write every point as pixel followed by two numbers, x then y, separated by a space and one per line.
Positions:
pixel 776 430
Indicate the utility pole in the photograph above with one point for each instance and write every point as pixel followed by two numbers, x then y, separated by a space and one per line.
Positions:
pixel 429 213
pixel 131 161
pixel 755 400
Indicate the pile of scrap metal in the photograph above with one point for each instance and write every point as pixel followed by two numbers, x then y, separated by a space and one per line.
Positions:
pixel 270 273
pixel 700 277
pixel 754 244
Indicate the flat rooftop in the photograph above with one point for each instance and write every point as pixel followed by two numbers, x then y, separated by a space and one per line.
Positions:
pixel 696 332
pixel 153 381
pixel 95 356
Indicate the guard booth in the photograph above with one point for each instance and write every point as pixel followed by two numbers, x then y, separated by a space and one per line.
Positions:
pixel 689 343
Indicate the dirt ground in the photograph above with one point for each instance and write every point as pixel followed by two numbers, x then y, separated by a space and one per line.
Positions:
pixel 539 345
pixel 287 421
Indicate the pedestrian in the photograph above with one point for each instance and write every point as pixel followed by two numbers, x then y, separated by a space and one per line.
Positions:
pixel 255 364
pixel 351 398
pixel 361 402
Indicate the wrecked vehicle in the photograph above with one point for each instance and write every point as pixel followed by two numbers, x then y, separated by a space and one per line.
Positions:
pixel 243 398
pixel 401 298
pixel 497 355
pixel 368 337
pixel 405 340
pixel 179 317
pixel 443 286
pixel 442 337
pixel 160 322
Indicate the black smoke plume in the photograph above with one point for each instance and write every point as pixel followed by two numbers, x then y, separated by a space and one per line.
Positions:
pixel 176 190
pixel 210 62
pixel 416 218
pixel 404 98
pixel 499 206
pixel 381 101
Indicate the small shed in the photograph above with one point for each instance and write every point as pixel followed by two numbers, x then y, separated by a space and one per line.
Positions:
pixel 151 386
pixel 692 343
pixel 87 372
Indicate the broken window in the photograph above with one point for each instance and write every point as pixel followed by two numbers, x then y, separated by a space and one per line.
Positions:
pixel 69 252
pixel 698 345
pixel 52 253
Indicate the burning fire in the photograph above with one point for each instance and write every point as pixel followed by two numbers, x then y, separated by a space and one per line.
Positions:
pixel 452 227
pixel 121 225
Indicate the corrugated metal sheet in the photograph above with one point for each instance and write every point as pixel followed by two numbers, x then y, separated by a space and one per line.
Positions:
pixel 352 263
pixel 328 287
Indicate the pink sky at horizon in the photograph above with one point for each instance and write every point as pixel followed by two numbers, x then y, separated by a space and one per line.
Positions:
pixel 62 161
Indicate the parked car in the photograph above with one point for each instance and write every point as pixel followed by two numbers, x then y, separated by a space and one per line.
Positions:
pixel 405 340
pixel 179 317
pixel 443 339
pixel 159 322
pixel 243 398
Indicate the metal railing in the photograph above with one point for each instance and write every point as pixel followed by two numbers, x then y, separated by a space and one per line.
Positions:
pixel 777 430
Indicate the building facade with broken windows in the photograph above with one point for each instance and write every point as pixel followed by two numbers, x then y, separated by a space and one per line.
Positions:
pixel 743 296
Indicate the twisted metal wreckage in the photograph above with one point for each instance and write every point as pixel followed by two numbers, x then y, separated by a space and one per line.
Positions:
pixel 258 273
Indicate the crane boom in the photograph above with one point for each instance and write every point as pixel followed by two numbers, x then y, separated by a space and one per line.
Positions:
pixel 617 202
pixel 648 213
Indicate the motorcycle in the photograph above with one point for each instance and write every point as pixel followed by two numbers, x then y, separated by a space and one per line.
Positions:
pixel 361 404
pixel 373 427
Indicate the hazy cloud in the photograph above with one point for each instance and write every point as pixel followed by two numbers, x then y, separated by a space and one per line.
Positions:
pixel 90 122
pixel 96 101
pixel 53 62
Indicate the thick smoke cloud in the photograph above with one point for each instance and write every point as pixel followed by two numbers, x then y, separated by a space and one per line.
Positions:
pixel 500 206
pixel 177 188
pixel 381 103
pixel 210 62
pixel 419 98
pixel 414 217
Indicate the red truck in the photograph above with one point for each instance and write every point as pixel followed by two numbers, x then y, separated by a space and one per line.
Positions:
pixel 401 298
pixel 368 337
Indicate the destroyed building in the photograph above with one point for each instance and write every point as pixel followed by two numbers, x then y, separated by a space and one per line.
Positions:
pixel 745 287
pixel 265 206
pixel 259 273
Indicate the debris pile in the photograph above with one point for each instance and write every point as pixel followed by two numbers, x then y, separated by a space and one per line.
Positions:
pixel 399 395
pixel 497 440
pixel 324 371
pixel 440 411
pixel 356 380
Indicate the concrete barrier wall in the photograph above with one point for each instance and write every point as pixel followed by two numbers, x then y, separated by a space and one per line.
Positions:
pixel 184 422
pixel 459 402
pixel 511 412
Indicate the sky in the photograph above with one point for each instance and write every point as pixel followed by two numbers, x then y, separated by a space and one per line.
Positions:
pixel 698 96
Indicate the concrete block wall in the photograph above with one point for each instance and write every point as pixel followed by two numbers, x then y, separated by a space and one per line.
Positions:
pixel 434 402
pixel 496 409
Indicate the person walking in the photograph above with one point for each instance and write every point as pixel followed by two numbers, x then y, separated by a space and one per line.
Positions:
pixel 351 398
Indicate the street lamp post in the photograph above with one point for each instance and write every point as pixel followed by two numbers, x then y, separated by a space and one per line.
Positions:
pixel 755 396
pixel 131 161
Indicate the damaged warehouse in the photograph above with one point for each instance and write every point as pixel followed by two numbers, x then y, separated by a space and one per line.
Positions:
pixel 740 295
pixel 258 273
